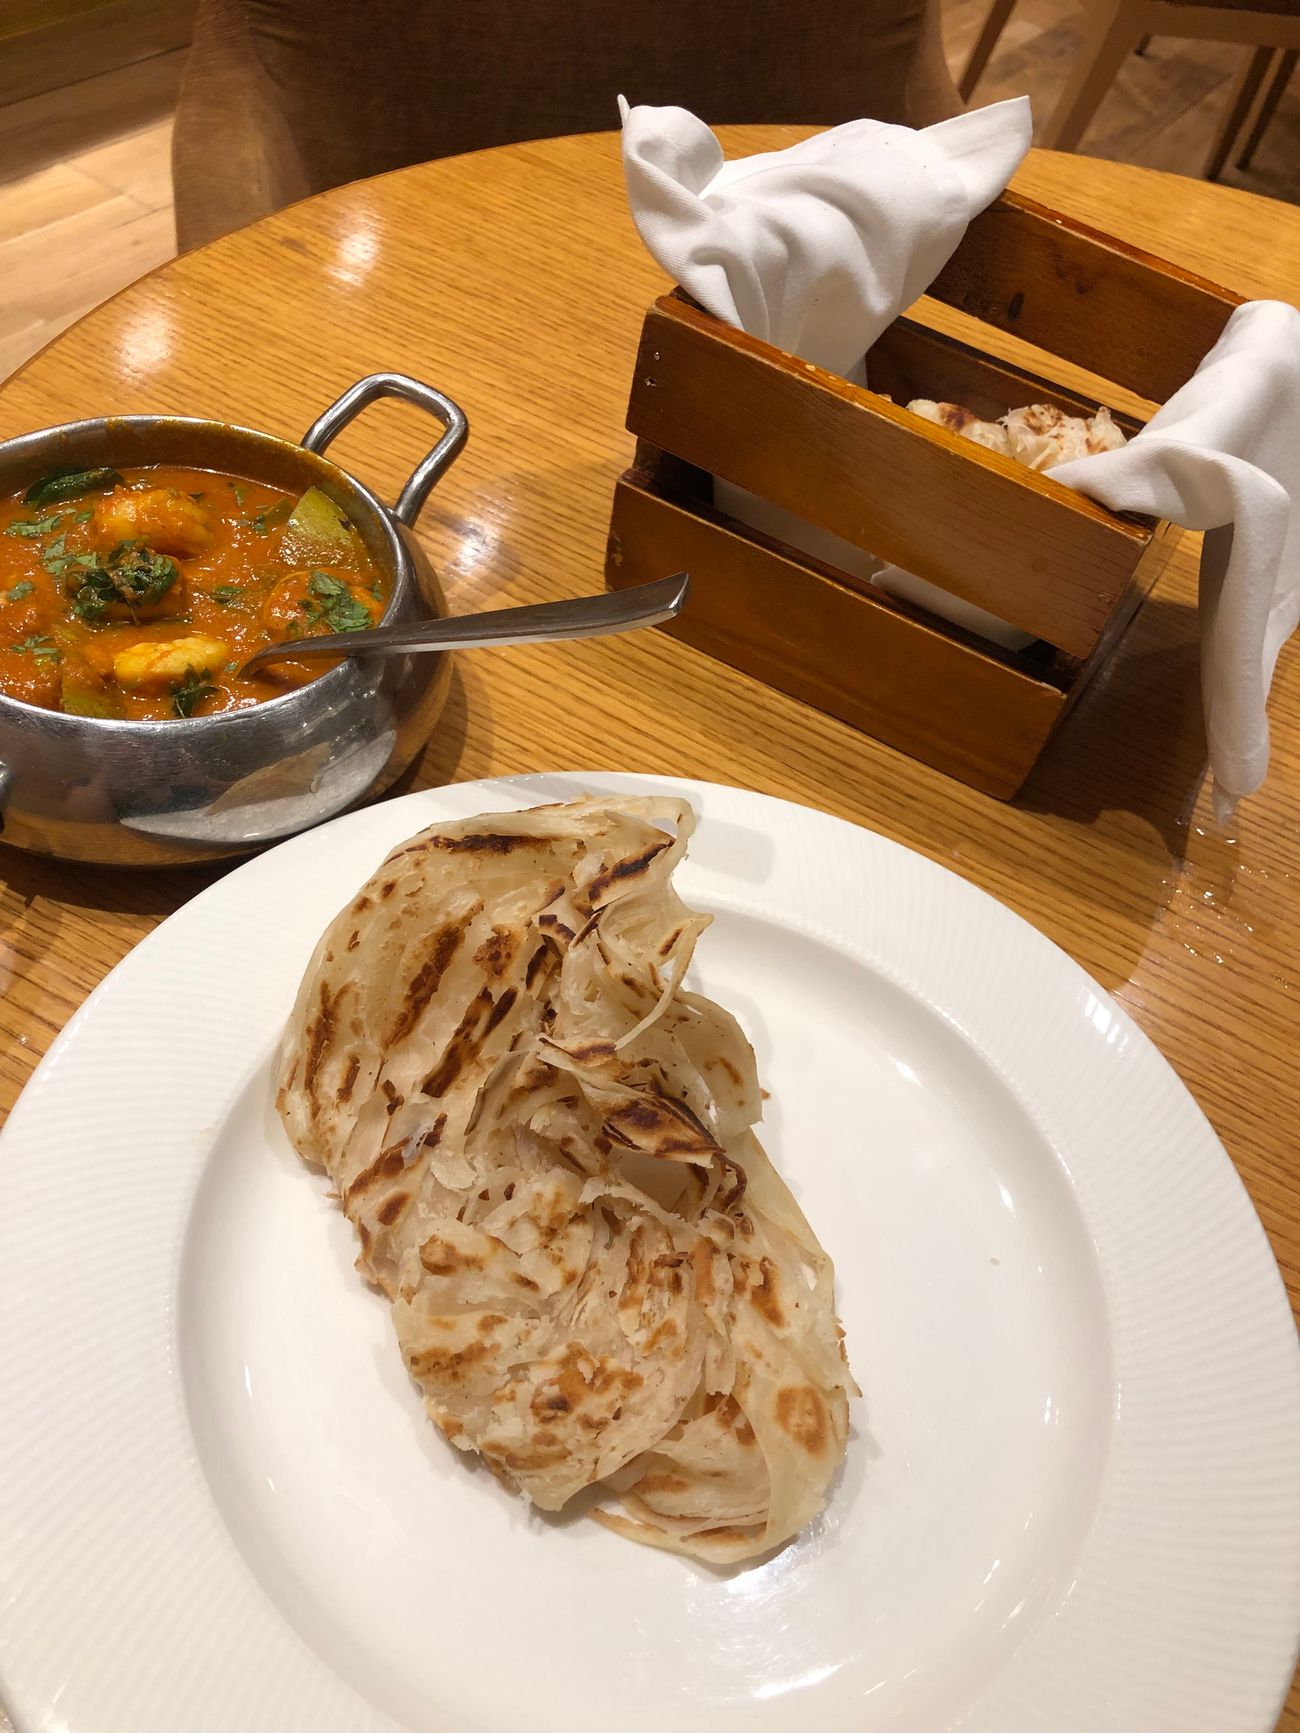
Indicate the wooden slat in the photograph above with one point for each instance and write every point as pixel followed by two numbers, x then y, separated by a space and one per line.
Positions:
pixel 1088 297
pixel 980 526
pixel 858 657
pixel 911 360
pixel 1153 562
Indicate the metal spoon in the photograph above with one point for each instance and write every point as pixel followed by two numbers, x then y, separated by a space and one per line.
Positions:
pixel 541 623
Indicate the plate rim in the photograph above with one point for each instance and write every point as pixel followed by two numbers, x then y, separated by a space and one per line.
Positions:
pixel 1272 1337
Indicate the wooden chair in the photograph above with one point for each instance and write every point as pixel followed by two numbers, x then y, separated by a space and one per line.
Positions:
pixel 1116 28
pixel 1283 64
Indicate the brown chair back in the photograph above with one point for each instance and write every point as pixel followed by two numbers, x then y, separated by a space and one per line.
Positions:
pixel 282 98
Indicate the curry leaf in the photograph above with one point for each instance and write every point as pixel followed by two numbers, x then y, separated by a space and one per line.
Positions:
pixel 263 522
pixel 69 483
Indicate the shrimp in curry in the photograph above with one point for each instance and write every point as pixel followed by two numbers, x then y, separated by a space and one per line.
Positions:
pixel 141 594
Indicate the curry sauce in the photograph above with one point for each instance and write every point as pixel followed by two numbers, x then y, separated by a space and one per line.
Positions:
pixel 141 594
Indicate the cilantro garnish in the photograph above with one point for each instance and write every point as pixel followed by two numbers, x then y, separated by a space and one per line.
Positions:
pixel 62 563
pixel 132 576
pixel 42 649
pixel 33 527
pixel 332 604
pixel 21 589
pixel 190 692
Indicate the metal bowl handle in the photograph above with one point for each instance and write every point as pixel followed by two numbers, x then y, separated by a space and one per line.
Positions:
pixel 456 431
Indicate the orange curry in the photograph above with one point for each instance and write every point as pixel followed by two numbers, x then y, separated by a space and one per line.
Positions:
pixel 141 594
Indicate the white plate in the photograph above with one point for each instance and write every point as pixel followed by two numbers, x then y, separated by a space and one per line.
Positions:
pixel 1070 1500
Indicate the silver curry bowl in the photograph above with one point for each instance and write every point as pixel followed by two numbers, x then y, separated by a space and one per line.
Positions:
pixel 155 793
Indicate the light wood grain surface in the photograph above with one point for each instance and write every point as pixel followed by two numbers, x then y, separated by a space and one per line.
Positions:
pixel 514 280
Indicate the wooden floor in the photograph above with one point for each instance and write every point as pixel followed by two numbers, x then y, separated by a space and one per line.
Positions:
pixel 85 198
pixel 85 189
pixel 1163 110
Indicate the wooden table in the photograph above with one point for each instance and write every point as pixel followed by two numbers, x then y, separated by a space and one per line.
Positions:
pixel 514 280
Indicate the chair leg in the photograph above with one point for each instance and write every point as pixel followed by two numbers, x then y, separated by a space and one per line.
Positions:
pixel 1116 28
pixel 985 43
pixel 1272 96
pixel 1244 92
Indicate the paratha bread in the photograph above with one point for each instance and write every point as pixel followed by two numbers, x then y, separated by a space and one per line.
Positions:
pixel 545 1145
pixel 1040 435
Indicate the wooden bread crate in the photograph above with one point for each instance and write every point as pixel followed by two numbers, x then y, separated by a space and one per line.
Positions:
pixel 708 401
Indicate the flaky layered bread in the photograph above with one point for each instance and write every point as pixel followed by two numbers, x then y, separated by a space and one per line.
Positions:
pixel 1040 435
pixel 545 1145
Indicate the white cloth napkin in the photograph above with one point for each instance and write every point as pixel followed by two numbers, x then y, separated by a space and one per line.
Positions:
pixel 816 248
pixel 1223 456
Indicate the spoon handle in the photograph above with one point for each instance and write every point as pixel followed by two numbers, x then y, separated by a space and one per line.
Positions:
pixel 540 622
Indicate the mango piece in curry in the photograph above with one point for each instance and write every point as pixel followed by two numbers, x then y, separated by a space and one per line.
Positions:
pixel 141 594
